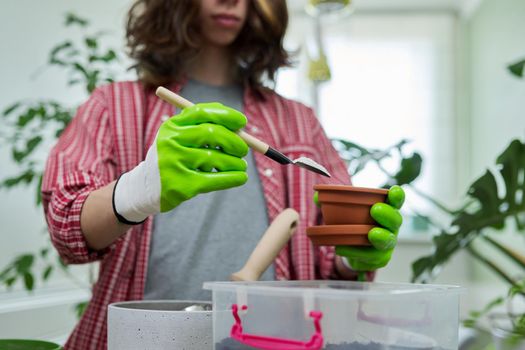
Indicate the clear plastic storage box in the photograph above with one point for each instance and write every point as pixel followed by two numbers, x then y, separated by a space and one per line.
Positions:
pixel 334 315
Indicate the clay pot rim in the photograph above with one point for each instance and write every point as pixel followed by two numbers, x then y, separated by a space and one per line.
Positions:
pixel 339 229
pixel 350 188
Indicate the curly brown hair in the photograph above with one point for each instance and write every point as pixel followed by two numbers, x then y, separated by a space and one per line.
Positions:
pixel 163 36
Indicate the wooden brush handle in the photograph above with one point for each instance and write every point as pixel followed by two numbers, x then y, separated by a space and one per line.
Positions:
pixel 180 102
pixel 270 244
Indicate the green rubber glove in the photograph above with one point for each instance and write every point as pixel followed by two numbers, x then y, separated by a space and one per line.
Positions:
pixel 382 238
pixel 194 152
pixel 192 145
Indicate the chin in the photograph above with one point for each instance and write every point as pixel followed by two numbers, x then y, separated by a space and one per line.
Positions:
pixel 222 39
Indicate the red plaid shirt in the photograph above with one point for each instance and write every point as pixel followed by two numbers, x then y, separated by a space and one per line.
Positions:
pixel 111 134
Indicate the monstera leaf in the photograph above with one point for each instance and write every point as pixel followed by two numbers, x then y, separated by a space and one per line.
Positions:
pixel 409 170
pixel 358 157
pixel 517 68
pixel 491 207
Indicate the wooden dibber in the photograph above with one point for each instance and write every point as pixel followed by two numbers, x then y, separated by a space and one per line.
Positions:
pixel 254 143
pixel 273 240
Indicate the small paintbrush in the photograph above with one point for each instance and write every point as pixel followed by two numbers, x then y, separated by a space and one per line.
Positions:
pixel 256 144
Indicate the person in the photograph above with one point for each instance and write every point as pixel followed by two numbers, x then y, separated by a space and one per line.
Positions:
pixel 165 199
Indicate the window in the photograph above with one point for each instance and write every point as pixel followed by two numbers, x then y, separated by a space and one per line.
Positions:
pixel 392 79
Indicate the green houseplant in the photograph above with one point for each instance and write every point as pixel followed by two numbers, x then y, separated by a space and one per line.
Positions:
pixel 494 201
pixel 484 209
pixel 32 125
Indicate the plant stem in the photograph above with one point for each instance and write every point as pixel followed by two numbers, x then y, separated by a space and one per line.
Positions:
pixel 419 192
pixel 75 280
pixel 490 264
pixel 431 200
pixel 492 220
pixel 520 225
pixel 515 256
pixel 361 276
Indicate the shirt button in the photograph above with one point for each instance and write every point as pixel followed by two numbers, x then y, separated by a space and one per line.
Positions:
pixel 165 117
pixel 268 172
pixel 254 129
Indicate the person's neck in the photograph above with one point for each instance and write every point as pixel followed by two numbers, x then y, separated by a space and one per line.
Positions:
pixel 214 65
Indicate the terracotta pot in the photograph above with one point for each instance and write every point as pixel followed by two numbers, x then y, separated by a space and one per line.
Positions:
pixel 348 205
pixel 355 235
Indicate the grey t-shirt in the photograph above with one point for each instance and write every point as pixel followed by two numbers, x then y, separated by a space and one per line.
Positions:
pixel 210 236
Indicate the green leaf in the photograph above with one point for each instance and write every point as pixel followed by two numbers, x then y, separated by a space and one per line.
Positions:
pixel 512 166
pixel 26 177
pixel 349 146
pixel 80 308
pixel 472 321
pixel 92 81
pixel 485 190
pixel 17 155
pixel 356 156
pixel 73 19
pixel 10 281
pixel 519 326
pixel 47 272
pixel 108 57
pixel 518 288
pixel 78 67
pixel 25 118
pixel 57 62
pixel 490 211
pixel 410 169
pixel 53 59
pixel 39 190
pixel 59 132
pixel 423 269
pixel 29 281
pixel 517 68
pixel 24 263
pixel 11 109
pixel 91 42
pixel 44 252
pixel 32 143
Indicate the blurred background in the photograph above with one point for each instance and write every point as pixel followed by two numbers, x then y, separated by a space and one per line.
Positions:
pixel 419 91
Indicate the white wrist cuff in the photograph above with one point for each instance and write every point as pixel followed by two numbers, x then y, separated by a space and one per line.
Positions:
pixel 137 193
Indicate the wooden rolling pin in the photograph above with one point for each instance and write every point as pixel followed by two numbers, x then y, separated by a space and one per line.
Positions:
pixel 273 240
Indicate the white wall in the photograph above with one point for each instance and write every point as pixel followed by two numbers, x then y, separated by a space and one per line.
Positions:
pixel 496 38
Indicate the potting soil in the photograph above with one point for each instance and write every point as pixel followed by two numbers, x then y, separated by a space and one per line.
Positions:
pixel 232 344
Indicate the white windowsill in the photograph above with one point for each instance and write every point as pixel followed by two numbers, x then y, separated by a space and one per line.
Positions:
pixel 41 298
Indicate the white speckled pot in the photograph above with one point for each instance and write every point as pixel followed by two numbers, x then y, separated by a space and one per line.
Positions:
pixel 159 325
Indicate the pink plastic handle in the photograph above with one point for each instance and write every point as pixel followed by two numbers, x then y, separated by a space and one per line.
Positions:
pixel 272 343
